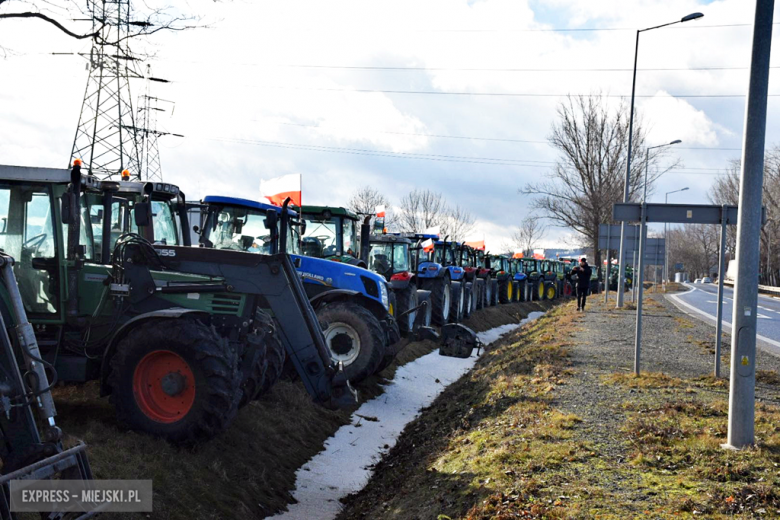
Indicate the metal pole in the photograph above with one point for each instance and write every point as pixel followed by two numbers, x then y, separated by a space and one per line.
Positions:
pixel 721 268
pixel 647 167
pixel 633 275
pixel 666 258
pixel 638 336
pixel 627 184
pixel 743 337
pixel 606 278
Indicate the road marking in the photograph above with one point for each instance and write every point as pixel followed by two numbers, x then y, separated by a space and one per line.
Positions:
pixel 726 324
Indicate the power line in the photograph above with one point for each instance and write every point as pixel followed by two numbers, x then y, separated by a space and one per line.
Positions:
pixel 498 94
pixel 490 69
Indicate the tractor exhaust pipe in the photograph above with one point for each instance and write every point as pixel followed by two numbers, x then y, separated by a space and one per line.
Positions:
pixel 72 210
pixel 365 239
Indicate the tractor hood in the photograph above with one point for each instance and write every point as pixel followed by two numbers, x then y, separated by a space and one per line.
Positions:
pixel 339 275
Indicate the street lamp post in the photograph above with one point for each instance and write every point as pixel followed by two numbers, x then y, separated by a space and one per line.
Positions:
pixel 627 182
pixel 666 244
pixel 647 163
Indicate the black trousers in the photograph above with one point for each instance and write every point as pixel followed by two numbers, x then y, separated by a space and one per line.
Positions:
pixel 582 293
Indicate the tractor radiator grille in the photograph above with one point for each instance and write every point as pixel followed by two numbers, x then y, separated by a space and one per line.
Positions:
pixel 223 303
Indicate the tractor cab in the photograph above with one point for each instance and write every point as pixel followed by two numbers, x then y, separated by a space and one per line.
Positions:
pixel 331 233
pixel 390 256
pixel 169 219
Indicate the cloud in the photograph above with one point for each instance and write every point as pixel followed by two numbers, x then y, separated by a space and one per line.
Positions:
pixel 669 118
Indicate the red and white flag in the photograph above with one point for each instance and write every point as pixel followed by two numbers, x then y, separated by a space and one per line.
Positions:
pixel 433 230
pixel 380 211
pixel 479 245
pixel 276 190
pixel 427 245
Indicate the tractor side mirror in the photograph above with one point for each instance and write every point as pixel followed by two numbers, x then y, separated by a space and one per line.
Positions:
pixel 142 213
pixel 303 227
pixel 271 219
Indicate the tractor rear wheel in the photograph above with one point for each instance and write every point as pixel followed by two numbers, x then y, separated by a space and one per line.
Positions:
pixel 550 292
pixel 354 337
pixel 441 297
pixel 456 308
pixel 275 354
pixel 505 291
pixel 425 314
pixel 540 290
pixel 476 294
pixel 405 300
pixel 468 299
pixel 479 293
pixel 488 293
pixel 176 379
pixel 494 292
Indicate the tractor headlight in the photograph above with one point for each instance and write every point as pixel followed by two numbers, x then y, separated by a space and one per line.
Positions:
pixel 383 295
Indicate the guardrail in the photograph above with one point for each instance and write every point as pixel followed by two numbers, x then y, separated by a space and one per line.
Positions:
pixel 765 289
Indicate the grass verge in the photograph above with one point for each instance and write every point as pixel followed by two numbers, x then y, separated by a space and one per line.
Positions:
pixel 249 470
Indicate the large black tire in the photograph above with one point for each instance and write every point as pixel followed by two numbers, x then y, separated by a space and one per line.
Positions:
pixel 488 293
pixel 275 354
pixel 425 315
pixel 505 291
pixel 494 297
pixel 354 337
pixel 391 346
pixel 441 297
pixel 550 291
pixel 456 305
pixel 479 292
pixel 468 302
pixel 518 289
pixel 405 300
pixel 189 358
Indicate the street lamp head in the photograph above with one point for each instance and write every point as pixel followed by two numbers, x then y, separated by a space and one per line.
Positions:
pixel 676 141
pixel 684 189
pixel 692 16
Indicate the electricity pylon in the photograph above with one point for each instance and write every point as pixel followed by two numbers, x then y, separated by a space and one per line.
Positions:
pixel 106 138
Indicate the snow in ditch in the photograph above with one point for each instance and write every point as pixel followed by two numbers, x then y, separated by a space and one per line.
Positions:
pixel 344 466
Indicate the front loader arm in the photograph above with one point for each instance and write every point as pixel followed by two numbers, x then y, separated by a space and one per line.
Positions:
pixel 277 286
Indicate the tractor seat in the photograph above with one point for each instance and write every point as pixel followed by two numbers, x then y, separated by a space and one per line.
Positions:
pixel 310 246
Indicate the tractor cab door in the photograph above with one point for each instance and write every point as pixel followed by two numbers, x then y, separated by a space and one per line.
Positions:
pixel 26 213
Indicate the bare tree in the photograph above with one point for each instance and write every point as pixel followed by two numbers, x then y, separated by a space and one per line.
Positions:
pixel 528 234
pixel 589 175
pixel 725 190
pixel 457 223
pixel 62 13
pixel 696 247
pixel 424 209
pixel 364 201
pixel 420 210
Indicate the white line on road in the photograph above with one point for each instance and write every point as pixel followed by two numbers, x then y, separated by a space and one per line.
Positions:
pixel 726 324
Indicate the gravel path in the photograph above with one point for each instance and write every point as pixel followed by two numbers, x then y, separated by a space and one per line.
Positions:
pixel 675 344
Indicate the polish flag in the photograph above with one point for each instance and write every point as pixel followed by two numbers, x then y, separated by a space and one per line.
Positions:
pixel 380 211
pixel 427 245
pixel 518 255
pixel 276 190
pixel 479 245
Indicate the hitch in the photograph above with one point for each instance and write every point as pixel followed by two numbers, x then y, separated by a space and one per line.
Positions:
pixel 458 341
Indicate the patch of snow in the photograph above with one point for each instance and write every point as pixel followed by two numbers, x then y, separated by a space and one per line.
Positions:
pixel 345 465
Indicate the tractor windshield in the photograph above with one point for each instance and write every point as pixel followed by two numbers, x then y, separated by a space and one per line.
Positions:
pixel 388 258
pixel 443 254
pixel 237 229
pixel 332 236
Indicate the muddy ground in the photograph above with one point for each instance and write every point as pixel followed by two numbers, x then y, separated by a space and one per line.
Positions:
pixel 249 470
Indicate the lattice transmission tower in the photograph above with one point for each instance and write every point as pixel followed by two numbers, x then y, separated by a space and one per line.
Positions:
pixel 106 138
pixel 149 151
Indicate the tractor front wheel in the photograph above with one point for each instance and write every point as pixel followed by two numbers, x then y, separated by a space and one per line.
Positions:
pixel 275 354
pixel 550 292
pixel 494 298
pixel 488 293
pixel 441 297
pixel 354 337
pixel 477 291
pixel 176 379
pixel 505 291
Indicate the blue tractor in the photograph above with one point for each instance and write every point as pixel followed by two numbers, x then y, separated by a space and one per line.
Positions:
pixel 351 303
pixel 446 253
pixel 446 293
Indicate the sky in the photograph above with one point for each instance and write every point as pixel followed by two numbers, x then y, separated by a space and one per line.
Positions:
pixel 322 88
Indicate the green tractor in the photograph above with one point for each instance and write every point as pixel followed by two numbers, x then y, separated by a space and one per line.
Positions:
pixel 179 337
pixel 331 233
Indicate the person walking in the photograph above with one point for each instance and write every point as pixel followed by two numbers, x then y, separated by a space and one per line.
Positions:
pixel 583 273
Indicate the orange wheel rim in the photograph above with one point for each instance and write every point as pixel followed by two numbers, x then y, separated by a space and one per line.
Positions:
pixel 164 386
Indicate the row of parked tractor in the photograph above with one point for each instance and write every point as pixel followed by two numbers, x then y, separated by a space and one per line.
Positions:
pixel 185 311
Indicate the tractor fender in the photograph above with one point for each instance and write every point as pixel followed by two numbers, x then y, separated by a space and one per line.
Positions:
pixel 105 364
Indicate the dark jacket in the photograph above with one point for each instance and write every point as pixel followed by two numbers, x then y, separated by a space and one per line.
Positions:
pixel 583 275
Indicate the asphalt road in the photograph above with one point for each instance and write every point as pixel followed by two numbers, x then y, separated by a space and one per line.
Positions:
pixel 702 301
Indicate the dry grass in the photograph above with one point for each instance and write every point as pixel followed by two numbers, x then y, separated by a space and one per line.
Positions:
pixel 249 470
pixel 644 380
